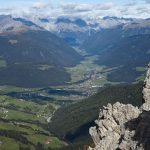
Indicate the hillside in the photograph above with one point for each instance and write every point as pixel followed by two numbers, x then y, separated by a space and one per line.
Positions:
pixel 72 123
pixel 125 48
pixel 23 125
pixel 128 55
pixel 108 37
pixel 33 58
pixel 124 126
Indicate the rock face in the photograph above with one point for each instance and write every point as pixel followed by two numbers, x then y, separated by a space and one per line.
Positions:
pixel 124 127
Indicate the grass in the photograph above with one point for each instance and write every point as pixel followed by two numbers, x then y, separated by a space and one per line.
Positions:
pixel 8 144
pixel 26 117
pixel 2 63
pixel 21 116
pixel 44 67
pixel 26 110
pixel 12 126
pixel 84 69
pixel 80 51
pixel 148 52
pixel 141 69
pixel 92 74
pixel 142 76
pixel 6 89
pixel 86 77
pixel 52 142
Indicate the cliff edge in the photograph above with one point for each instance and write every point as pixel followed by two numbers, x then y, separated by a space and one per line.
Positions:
pixel 124 127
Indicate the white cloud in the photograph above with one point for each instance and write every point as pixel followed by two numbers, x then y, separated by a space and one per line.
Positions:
pixel 39 5
pixel 45 8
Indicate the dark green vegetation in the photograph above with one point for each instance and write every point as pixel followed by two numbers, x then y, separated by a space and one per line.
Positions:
pixel 128 54
pixel 59 96
pixel 72 123
pixel 123 48
pixel 35 59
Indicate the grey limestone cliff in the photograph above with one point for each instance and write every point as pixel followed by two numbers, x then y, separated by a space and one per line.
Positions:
pixel 124 127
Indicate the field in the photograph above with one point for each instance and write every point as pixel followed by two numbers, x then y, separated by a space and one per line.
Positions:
pixel 23 124
pixel 86 78
pixel 25 113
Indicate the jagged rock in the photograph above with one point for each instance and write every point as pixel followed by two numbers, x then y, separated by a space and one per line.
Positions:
pixel 124 127
pixel 111 128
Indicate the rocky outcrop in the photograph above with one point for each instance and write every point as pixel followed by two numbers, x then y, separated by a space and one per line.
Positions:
pixel 124 127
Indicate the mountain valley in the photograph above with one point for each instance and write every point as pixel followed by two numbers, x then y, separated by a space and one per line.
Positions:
pixel 35 64
pixel 55 75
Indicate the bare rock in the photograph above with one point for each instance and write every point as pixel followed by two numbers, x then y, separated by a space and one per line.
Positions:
pixel 124 127
pixel 110 126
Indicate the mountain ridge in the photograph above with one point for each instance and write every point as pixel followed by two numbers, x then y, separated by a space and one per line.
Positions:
pixel 34 56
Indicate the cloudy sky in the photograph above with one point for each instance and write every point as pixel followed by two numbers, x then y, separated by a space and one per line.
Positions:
pixel 77 8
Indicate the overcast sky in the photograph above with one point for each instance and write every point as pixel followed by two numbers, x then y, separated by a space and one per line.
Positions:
pixel 77 8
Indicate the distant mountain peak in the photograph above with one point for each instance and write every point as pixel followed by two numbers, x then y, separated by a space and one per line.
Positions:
pixel 77 21
pixel 63 20
pixel 80 22
pixel 25 22
pixel 44 20
pixel 110 17
pixel 8 24
pixel 4 17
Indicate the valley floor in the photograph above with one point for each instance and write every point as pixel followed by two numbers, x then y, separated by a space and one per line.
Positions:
pixel 26 112
pixel 24 125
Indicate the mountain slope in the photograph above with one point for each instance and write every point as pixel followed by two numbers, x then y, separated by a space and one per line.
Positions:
pixel 124 47
pixel 73 122
pixel 108 37
pixel 33 57
pixel 75 30
pixel 130 54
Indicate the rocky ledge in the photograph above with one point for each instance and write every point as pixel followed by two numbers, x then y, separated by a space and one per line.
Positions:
pixel 124 127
